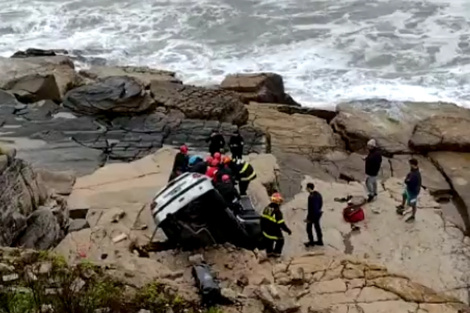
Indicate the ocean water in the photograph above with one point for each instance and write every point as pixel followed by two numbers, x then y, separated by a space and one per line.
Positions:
pixel 327 51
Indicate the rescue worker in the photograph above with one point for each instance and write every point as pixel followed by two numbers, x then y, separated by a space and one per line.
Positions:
pixel 224 169
pixel 180 165
pixel 228 191
pixel 272 225
pixel 244 173
pixel 197 165
pixel 213 169
pixel 236 145
pixel 216 142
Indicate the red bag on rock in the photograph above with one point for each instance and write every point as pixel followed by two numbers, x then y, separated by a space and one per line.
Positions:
pixel 353 214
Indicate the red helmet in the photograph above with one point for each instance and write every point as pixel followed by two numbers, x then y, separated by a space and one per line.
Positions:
pixel 217 156
pixel 209 159
pixel 184 149
pixel 215 163
pixel 225 178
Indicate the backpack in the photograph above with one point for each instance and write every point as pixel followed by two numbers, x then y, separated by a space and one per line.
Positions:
pixel 353 214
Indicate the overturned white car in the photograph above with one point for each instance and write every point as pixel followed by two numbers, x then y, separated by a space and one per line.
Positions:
pixel 193 214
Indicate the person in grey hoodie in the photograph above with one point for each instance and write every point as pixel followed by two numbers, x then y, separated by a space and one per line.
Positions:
pixel 372 168
pixel 413 187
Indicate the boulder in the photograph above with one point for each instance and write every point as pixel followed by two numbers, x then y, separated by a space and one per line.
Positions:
pixel 143 73
pixel 442 132
pixel 200 103
pixel 296 133
pixel 391 124
pixel 112 95
pixel 258 87
pixel 33 52
pixel 456 169
pixel 43 230
pixel 77 225
pixel 21 192
pixel 38 78
pixel 327 115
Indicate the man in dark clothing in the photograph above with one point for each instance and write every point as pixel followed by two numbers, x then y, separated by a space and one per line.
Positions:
pixel 373 164
pixel 180 165
pixel 272 225
pixel 413 187
pixel 228 191
pixel 216 142
pixel 197 165
pixel 315 204
pixel 236 145
pixel 244 173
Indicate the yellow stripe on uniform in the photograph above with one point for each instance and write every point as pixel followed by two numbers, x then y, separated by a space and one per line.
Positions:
pixel 271 237
pixel 249 177
pixel 268 217
pixel 244 167
pixel 280 222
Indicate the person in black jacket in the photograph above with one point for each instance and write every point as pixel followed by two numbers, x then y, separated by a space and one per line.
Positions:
pixel 315 204
pixel 413 187
pixel 180 164
pixel 373 164
pixel 216 142
pixel 236 145
pixel 197 165
pixel 228 191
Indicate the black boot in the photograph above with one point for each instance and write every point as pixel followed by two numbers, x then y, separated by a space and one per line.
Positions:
pixel 309 244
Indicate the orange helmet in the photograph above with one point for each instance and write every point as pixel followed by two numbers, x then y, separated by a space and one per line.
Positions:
pixel 276 198
pixel 226 159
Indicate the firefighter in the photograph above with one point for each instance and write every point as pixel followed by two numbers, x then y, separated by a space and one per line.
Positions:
pixel 272 225
pixel 180 164
pixel 244 173
pixel 224 169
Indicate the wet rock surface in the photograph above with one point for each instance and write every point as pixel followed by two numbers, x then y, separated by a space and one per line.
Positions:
pixel 52 137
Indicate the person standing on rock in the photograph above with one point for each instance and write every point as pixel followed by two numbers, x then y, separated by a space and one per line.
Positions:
pixel 373 164
pixel 413 187
pixel 272 225
pixel 236 145
pixel 180 165
pixel 315 204
pixel 216 142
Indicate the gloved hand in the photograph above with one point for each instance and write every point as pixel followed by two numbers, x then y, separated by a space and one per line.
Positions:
pixel 289 232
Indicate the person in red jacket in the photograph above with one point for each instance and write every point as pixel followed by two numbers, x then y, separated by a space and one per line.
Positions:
pixel 213 169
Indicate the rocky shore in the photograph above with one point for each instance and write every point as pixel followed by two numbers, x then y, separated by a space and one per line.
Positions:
pixel 68 123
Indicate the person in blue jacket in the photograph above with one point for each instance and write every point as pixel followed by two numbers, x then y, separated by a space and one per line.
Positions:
pixel 412 189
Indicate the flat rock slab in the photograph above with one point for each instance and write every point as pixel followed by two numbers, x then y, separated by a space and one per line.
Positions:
pixel 297 133
pixel 426 250
pixel 391 124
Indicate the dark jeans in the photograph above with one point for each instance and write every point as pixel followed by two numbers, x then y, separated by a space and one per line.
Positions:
pixel 243 186
pixel 237 153
pixel 273 245
pixel 316 223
